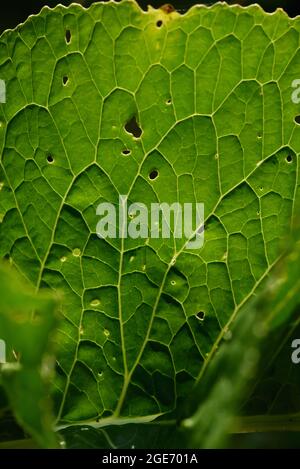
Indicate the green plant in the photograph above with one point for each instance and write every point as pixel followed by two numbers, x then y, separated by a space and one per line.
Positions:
pixel 162 108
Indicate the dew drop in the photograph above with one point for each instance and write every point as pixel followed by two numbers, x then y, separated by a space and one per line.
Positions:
pixel 76 252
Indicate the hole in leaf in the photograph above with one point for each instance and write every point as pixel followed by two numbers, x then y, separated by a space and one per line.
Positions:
pixel 169 101
pixel 159 23
pixel 200 315
pixel 153 174
pixel 126 152
pixel 259 135
pixel 133 128
pixel 68 36
pixel 289 159
pixel 297 119
pixel 65 80
pixel 50 159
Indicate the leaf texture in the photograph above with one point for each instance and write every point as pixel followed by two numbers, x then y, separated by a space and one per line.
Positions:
pixel 210 92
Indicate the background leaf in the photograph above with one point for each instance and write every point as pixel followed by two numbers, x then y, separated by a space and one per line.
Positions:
pixel 27 322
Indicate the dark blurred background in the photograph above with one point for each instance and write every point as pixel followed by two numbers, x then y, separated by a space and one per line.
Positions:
pixel 13 13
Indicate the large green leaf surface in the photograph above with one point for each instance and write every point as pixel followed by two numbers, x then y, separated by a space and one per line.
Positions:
pixel 211 93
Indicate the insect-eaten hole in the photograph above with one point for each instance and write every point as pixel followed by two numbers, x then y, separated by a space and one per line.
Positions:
pixel 126 152
pixel 259 135
pixel 153 174
pixel 68 36
pixel 297 119
pixel 159 23
pixel 169 101
pixel 289 158
pixel 200 315
pixel 65 80
pixel 50 158
pixel 133 128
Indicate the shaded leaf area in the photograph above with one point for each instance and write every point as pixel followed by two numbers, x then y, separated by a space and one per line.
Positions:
pixel 240 358
pixel 258 338
pixel 150 436
pixel 274 397
pixel 9 429
pixel 27 321
pixel 143 316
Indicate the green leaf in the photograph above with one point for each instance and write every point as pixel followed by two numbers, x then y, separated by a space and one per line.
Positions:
pixel 217 123
pixel 250 347
pixel 152 435
pixel 27 322
pixel 255 340
pixel 273 403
